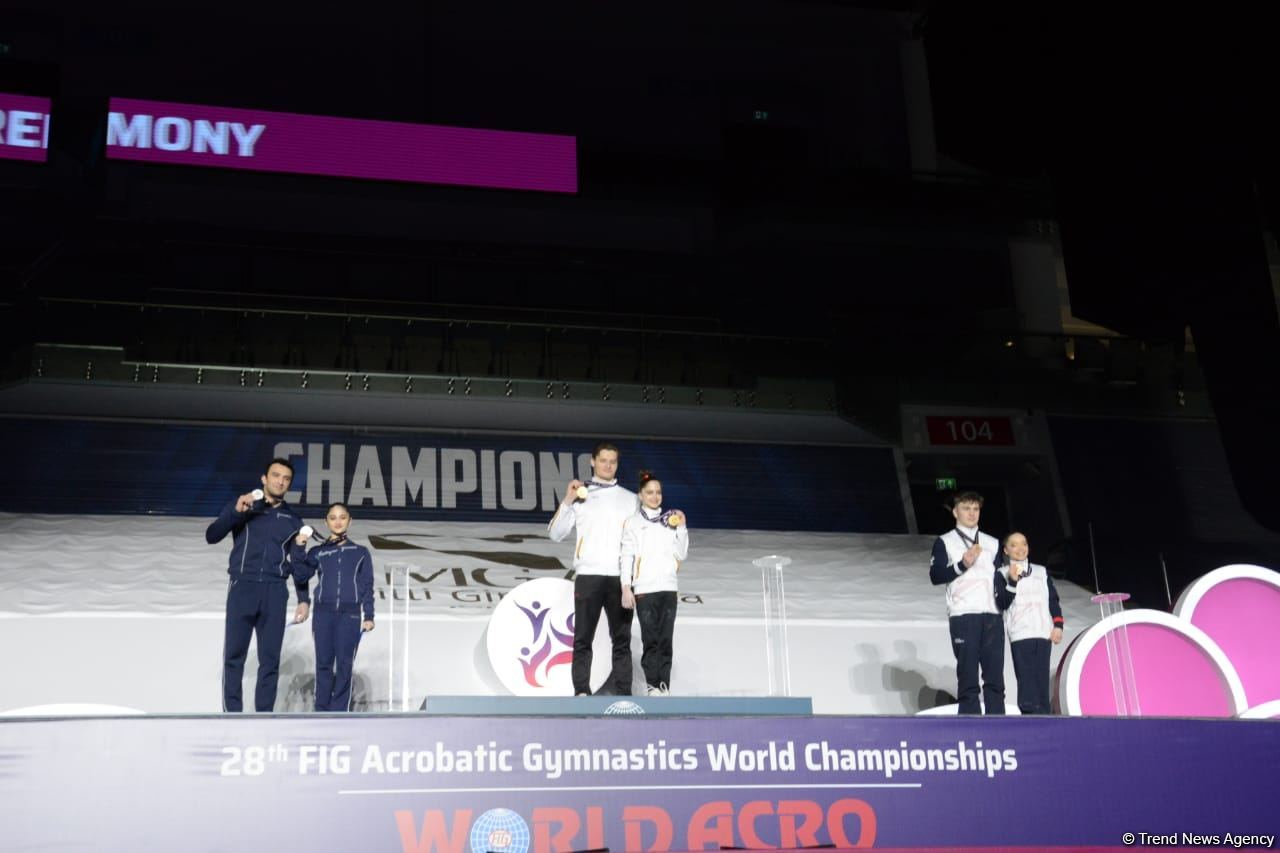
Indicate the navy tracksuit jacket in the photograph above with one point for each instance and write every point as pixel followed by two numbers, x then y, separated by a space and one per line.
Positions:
pixel 257 595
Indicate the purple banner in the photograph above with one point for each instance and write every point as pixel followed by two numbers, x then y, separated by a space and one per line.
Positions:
pixel 512 784
pixel 24 128
pixel 228 138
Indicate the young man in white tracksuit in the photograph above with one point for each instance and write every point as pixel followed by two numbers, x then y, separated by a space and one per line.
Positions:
pixel 654 543
pixel 1033 622
pixel 597 510
pixel 968 562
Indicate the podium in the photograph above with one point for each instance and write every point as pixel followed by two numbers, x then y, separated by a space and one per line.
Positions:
pixel 618 706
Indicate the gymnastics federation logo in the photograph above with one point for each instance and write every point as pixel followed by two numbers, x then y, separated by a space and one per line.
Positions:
pixel 500 831
pixel 530 638
pixel 623 708
pixel 554 648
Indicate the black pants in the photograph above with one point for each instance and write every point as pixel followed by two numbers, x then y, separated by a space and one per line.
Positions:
pixel 978 642
pixel 1031 668
pixel 259 608
pixel 657 614
pixel 590 594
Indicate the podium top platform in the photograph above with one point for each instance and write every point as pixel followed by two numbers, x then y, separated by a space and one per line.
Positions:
pixel 619 706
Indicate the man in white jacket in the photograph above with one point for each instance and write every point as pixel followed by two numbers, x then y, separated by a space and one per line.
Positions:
pixel 597 509
pixel 967 562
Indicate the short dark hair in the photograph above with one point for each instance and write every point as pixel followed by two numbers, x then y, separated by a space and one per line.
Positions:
pixel 966 498
pixel 603 446
pixel 279 460
pixel 330 507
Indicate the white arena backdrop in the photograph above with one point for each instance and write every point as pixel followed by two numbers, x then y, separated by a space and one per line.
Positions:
pixel 128 611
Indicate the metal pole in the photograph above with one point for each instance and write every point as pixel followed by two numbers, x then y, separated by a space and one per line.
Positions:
pixel 1164 570
pixel 1093 555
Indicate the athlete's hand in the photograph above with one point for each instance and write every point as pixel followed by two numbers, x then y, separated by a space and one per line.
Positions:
pixel 1056 636
pixel 367 625
pixel 571 493
pixel 971 556
pixel 628 599
pixel 245 502
pixel 300 615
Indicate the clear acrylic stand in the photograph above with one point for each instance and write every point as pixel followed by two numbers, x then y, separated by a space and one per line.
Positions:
pixel 1119 655
pixel 777 660
pixel 398 604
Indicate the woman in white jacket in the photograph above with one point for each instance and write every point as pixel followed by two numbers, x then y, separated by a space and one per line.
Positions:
pixel 654 543
pixel 1033 622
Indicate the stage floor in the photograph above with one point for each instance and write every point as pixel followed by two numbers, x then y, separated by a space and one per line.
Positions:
pixel 128 611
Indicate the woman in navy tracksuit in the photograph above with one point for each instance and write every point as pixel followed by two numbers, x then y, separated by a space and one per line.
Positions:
pixel 343 606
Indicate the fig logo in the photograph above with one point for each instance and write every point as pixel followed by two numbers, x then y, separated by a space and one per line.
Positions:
pixel 624 708
pixel 530 638
pixel 500 831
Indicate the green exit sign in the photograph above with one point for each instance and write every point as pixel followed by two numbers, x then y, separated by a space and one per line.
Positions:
pixel 945 484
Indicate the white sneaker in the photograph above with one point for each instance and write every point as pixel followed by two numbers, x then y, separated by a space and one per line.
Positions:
pixel 650 690
pixel 663 690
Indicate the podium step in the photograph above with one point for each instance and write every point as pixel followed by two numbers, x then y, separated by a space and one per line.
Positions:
pixel 619 706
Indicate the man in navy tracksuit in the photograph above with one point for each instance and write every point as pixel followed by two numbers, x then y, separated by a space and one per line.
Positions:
pixel 261 529
pixel 968 562
pixel 343 605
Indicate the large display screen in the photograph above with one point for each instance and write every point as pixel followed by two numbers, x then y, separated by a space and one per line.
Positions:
pixel 231 138
pixel 24 128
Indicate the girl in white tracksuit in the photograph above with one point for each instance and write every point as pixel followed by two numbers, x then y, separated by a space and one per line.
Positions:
pixel 1033 621
pixel 654 543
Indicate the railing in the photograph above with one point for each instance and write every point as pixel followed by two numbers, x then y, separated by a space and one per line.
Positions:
pixel 99 364
pixel 623 359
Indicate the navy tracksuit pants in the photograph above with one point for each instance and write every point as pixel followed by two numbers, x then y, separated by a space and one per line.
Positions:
pixel 978 642
pixel 1031 668
pixel 337 635
pixel 253 607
